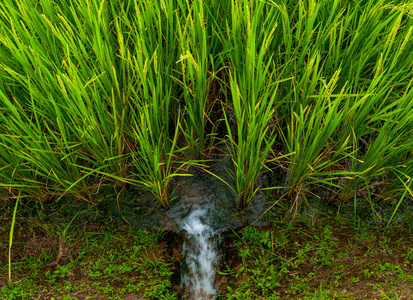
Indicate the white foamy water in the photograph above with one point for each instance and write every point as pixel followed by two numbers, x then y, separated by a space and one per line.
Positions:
pixel 201 256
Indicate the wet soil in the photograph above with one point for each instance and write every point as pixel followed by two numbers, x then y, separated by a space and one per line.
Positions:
pixel 200 188
pixel 385 254
pixel 272 260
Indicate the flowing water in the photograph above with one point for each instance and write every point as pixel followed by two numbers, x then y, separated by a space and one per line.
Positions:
pixel 204 208
pixel 201 257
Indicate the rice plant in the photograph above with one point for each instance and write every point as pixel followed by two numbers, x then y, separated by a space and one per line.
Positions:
pixel 12 232
pixel 194 75
pixel 66 112
pixel 116 93
pixel 252 90
pixel 343 59
pixel 310 139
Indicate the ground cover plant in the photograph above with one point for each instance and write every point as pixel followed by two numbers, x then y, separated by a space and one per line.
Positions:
pixel 314 96
pixel 302 260
pixel 114 262
pixel 83 255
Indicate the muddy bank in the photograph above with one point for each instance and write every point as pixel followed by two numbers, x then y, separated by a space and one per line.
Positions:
pixel 201 189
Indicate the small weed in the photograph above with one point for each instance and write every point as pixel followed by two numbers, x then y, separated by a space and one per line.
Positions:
pixel 325 247
pixel 368 274
pixel 23 290
pixel 354 280
pixel 160 291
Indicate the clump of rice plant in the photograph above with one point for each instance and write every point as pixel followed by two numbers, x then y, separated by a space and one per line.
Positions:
pixel 155 159
pixel 193 63
pixel 351 78
pixel 252 89
pixel 310 138
pixel 62 111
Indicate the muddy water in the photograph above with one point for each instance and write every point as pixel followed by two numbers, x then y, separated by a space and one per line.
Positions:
pixel 199 189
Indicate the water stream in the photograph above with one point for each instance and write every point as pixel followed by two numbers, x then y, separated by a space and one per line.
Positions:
pixel 204 207
pixel 201 256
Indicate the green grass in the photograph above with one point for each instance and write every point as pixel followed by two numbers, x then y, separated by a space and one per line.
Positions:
pixel 97 93
pixel 301 261
pixel 325 259
pixel 119 262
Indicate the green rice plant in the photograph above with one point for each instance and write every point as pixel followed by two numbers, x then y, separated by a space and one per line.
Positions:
pixel 70 114
pixel 12 232
pixel 150 29
pixel 201 42
pixel 79 108
pixel 311 140
pixel 107 92
pixel 77 117
pixel 194 65
pixel 154 160
pixel 310 110
pixel 350 46
pixel 154 157
pixel 373 119
pixel 253 88
pixel 153 108
pixel 36 160
pixel 346 38
pixel 347 35
pixel 300 37
pixel 406 192
pixel 392 125
pixel 362 52
pixel 395 184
